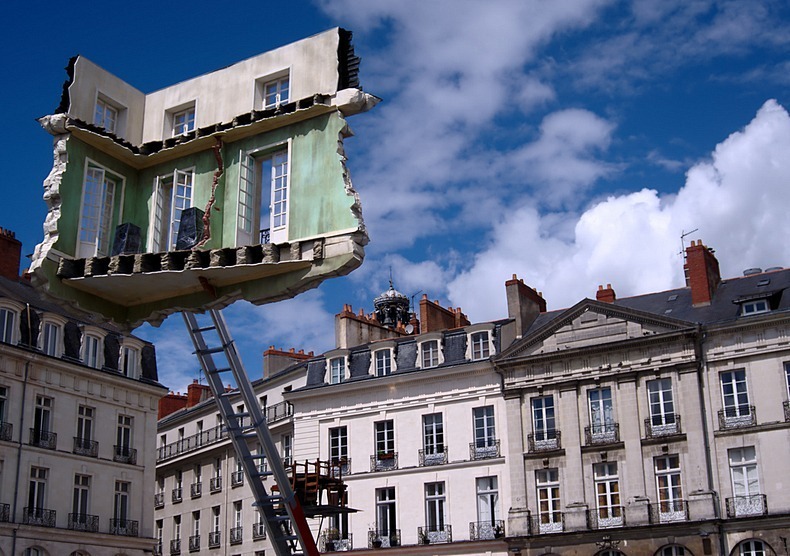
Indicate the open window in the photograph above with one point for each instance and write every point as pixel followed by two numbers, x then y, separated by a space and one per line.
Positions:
pixel 100 211
pixel 180 119
pixel 172 194
pixel 273 90
pixel 264 194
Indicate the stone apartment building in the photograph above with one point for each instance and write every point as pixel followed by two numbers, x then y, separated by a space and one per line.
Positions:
pixel 656 424
pixel 78 415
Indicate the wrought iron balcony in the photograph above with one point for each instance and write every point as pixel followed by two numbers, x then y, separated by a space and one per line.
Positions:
pixel 279 411
pixel 177 495
pixel 484 449
pixel 86 447
pixel 435 456
pixel 192 443
pixel 544 441
pixel 737 417
pixel 175 547
pixel 742 506
pixel 196 490
pixel 258 531
pixel 786 407
pixel 607 433
pixel 215 484
pixel 669 511
pixel 432 534
pixel 384 461
pixel 124 527
pixel 6 431
pixel 606 517
pixel 334 541
pixel 43 439
pixel 84 522
pixel 159 500
pixel 486 530
pixel 158 548
pixel 236 534
pixel 266 236
pixel 5 513
pixel 341 466
pixel 662 425
pixel 214 539
pixel 125 454
pixel 546 523
pixel 237 478
pixel 383 539
pixel 38 516
pixel 194 543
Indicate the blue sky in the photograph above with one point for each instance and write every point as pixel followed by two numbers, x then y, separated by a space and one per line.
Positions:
pixel 571 143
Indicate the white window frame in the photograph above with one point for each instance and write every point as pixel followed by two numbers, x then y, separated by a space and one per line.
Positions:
pixel 744 473
pixel 607 494
pixel 121 502
pixel 735 394
pixel 80 500
pixel 281 81
pixel 755 307
pixel 484 424
pixel 544 418
pixel 435 507
pixel 752 547
pixel 100 209
pixel 386 512
pixel 338 443
pixel 601 406
pixel 92 350
pixel 3 402
pixel 487 490
pixel 174 125
pixel 37 488
pixel 129 363
pixel 264 194
pixel 669 488
pixel 124 432
pixel 383 362
pixel 196 523
pixel 8 328
pixel 433 434
pixel 85 422
pixel 104 110
pixel 337 366
pixel 173 193
pixel 42 417
pixel 547 487
pixel 384 436
pixel 52 337
pixel 661 403
pixel 429 351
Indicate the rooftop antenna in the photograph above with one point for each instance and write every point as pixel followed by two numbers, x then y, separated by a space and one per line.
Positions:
pixel 683 241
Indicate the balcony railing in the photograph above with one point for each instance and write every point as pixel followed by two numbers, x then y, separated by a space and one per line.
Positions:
pixel 669 511
pixel 484 449
pixel 737 417
pixel 194 543
pixel 6 431
pixel 38 516
pixel 434 456
pixel 237 478
pixel 196 490
pixel 214 539
pixel 43 439
pixel 84 522
pixel 159 500
pixel 5 513
pixel 266 236
pixel 258 531
pixel 332 541
pixel 742 506
pixel 606 517
pixel 177 495
pixel 546 523
pixel 125 454
pixel 215 484
pixel 654 427
pixel 384 461
pixel 341 467
pixel 786 407
pixel 158 548
pixel 544 441
pixel 191 443
pixel 383 539
pixel 175 547
pixel 486 530
pixel 432 534
pixel 124 527
pixel 279 411
pixel 236 534
pixel 607 433
pixel 86 447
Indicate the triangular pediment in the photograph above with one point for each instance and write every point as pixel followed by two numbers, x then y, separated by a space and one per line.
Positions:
pixel 592 323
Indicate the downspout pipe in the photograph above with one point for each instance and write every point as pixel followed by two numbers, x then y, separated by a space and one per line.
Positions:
pixel 19 454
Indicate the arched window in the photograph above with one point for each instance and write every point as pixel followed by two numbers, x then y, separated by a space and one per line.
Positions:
pixel 79 553
pixel 34 551
pixel 752 548
pixel 610 553
pixel 673 550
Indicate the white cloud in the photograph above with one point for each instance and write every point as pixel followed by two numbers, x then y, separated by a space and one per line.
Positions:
pixel 737 199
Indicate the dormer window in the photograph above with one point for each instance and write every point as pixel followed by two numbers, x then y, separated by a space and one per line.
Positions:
pixel 480 348
pixel 755 307
pixel 337 370
pixel 130 361
pixel 7 320
pixel 430 351
pixel 479 344
pixel 91 354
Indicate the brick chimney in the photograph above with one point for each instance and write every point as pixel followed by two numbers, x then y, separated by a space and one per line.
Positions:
pixel 197 393
pixel 605 295
pixel 10 254
pixel 434 317
pixel 702 273
pixel 275 360
pixel 523 304
pixel 171 403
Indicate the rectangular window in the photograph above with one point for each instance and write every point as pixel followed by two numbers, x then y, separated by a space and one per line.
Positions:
pixel 607 495
pixel 85 422
pixel 480 348
pixel 547 482
pixel 386 516
pixel 173 194
pixel 50 340
pixel 275 92
pixel 183 121
pixel 81 498
pixel 278 167
pixel 124 435
pixel 601 413
pixel 3 404
pixel 96 220
pixel 177 528
pixel 337 370
pixel 485 431
pixel 7 325
pixel 671 506
pixel 287 446
pixel 787 379
pixel 755 307
pixel 196 523
pixel 129 361
pixel 42 418
pixel 37 490
pixel 433 434
pixel 662 407
pixel 105 115
pixel 735 396
pixel 543 420
pixel 487 502
pixel 121 504
pixel 383 358
pixel 429 353
pixel 338 444
pixel 90 351
pixel 434 507
pixel 747 498
pixel 215 520
pixel 385 437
